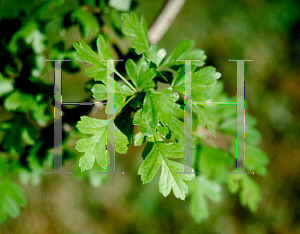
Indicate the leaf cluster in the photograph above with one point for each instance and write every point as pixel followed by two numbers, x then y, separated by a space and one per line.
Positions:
pixel 154 110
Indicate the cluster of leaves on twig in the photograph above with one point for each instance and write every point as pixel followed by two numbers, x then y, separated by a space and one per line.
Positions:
pixel 159 115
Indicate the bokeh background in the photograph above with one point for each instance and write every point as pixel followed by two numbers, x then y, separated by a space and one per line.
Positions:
pixel 267 32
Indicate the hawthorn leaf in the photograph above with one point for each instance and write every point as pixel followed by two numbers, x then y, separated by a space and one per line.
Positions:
pixel 156 55
pixel 213 162
pixel 169 179
pixel 177 127
pixel 140 73
pixel 202 188
pixel 147 130
pixel 202 80
pixel 249 190
pixel 86 54
pixel 121 141
pixel 138 31
pixel 158 106
pixel 184 51
pixel 163 130
pixel 94 147
pixel 139 139
pixel 204 119
pixel 256 159
pixel 147 148
pixel 137 118
pixel 100 93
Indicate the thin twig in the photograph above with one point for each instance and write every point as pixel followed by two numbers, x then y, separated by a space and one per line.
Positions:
pixel 124 104
pixel 220 141
pixel 164 20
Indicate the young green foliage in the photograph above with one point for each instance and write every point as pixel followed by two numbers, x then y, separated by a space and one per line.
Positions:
pixel 169 179
pixel 159 113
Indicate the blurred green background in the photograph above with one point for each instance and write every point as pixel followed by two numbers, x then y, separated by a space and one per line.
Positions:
pixel 267 32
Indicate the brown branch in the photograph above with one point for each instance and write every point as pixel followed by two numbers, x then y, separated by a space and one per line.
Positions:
pixel 207 138
pixel 164 20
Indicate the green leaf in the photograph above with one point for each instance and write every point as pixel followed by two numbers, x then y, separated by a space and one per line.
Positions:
pixel 99 70
pixel 255 159
pixel 138 31
pixel 163 130
pixel 137 118
pixel 147 130
pixel 158 106
pixel 11 10
pixel 5 86
pixel 88 23
pixel 19 101
pixel 24 102
pixel 11 198
pixel 100 93
pixel 156 55
pixel 140 74
pixel 39 113
pixel 184 51
pixel 204 119
pixel 124 123
pixel 121 141
pixel 94 147
pixel 213 162
pixel 177 127
pixel 249 190
pixel 201 188
pixel 86 54
pixel 202 81
pixel 31 35
pixel 139 139
pixel 169 179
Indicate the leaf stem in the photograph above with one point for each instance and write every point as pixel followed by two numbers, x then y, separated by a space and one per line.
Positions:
pixel 123 78
pixel 125 103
